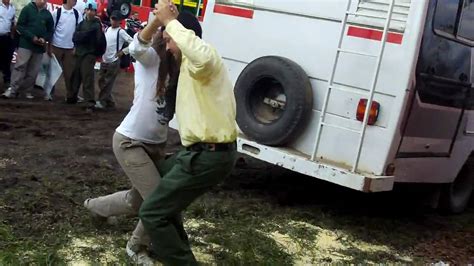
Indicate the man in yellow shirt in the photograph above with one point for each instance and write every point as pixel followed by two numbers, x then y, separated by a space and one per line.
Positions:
pixel 205 108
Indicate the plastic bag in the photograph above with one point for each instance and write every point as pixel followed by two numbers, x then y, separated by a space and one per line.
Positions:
pixel 49 73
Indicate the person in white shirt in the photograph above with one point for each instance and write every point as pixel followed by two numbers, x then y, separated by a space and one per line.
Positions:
pixel 110 66
pixel 66 18
pixel 7 30
pixel 139 141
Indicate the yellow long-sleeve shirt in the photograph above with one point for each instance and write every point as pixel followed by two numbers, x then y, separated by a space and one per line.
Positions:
pixel 205 103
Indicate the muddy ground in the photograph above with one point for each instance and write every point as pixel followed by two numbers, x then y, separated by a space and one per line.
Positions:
pixel 53 156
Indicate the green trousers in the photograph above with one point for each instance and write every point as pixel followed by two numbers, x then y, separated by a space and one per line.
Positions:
pixel 185 176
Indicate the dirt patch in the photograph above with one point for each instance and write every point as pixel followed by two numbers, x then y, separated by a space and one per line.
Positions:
pixel 53 156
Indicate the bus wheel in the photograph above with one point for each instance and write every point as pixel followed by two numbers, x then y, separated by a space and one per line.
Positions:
pixel 455 196
pixel 122 6
pixel 274 98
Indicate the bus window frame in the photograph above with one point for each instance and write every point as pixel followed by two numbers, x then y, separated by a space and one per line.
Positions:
pixel 453 37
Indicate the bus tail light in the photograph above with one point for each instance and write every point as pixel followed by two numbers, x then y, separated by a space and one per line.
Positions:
pixel 373 113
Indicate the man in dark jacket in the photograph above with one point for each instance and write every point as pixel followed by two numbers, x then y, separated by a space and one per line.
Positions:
pixel 86 40
pixel 36 28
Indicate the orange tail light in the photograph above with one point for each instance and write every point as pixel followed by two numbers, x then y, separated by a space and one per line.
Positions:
pixel 373 113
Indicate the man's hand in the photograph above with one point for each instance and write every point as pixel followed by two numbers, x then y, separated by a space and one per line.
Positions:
pixel 49 50
pixel 39 41
pixel 165 11
pixel 119 54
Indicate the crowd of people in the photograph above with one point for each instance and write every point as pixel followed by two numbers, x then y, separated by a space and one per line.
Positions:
pixel 176 73
pixel 72 33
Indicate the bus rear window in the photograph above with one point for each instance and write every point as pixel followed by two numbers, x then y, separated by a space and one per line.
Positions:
pixel 466 23
pixel 446 16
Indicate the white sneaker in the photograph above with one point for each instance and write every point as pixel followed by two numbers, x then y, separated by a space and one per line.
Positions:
pixel 99 105
pixel 48 98
pixel 140 257
pixel 29 96
pixel 9 94
pixel 80 99
pixel 99 219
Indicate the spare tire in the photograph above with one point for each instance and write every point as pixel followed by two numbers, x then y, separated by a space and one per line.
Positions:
pixel 124 8
pixel 274 98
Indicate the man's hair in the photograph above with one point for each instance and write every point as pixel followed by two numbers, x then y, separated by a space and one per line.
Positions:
pixel 64 1
pixel 190 22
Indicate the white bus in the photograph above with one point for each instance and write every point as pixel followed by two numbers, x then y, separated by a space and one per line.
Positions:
pixel 306 70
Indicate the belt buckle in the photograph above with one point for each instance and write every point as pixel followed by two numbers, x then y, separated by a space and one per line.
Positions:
pixel 211 147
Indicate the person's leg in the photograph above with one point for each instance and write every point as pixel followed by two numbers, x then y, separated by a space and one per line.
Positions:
pixel 103 72
pixel 193 174
pixel 34 66
pixel 88 79
pixel 71 96
pixel 19 71
pixel 105 96
pixel 6 52
pixel 68 69
pixel 138 160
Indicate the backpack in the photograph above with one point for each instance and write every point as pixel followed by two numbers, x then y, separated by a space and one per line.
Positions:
pixel 125 59
pixel 58 16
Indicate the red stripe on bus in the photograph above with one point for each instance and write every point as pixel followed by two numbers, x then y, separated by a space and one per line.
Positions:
pixel 376 35
pixel 233 11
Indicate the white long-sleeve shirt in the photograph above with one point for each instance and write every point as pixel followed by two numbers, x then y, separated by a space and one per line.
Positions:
pixel 145 121
pixel 111 37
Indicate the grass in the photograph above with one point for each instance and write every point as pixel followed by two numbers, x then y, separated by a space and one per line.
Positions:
pixel 243 222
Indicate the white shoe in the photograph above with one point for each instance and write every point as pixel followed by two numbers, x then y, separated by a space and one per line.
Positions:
pixel 80 99
pixel 29 96
pixel 99 105
pixel 9 94
pixel 48 98
pixel 139 257
pixel 99 219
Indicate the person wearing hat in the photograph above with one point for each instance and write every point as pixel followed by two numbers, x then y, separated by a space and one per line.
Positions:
pixel 110 66
pixel 85 40
pixel 205 110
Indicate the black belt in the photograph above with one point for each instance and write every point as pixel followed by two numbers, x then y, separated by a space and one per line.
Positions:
pixel 212 147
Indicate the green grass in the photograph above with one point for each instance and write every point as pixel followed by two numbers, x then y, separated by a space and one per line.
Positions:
pixel 44 223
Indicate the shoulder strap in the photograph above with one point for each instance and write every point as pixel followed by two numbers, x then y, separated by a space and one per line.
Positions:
pixel 118 38
pixel 76 14
pixel 58 16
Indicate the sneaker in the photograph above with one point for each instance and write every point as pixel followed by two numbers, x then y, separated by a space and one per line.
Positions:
pixel 48 98
pixel 99 219
pixel 99 105
pixel 9 94
pixel 80 99
pixel 139 255
pixel 29 96
pixel 70 101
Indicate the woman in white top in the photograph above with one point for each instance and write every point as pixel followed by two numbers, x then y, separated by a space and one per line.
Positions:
pixel 139 141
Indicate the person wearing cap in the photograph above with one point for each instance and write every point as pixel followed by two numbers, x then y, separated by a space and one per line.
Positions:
pixel 110 66
pixel 205 110
pixel 36 27
pixel 85 40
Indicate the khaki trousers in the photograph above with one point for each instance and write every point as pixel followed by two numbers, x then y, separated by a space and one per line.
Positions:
pixel 139 161
pixel 66 60
pixel 107 75
pixel 26 69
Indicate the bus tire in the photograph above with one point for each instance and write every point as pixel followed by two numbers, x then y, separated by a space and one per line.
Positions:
pixel 455 196
pixel 124 7
pixel 274 99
